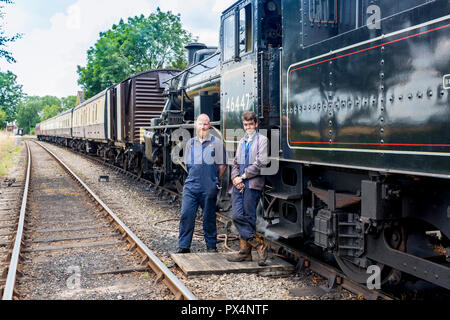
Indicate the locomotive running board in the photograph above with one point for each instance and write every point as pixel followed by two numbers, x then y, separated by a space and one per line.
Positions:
pixel 380 251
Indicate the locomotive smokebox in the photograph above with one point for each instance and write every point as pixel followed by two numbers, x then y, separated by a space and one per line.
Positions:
pixel 204 103
pixel 192 48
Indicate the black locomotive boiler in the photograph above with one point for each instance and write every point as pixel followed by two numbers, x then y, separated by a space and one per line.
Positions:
pixel 359 93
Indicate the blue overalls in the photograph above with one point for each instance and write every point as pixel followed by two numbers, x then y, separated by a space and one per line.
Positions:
pixel 200 189
pixel 245 203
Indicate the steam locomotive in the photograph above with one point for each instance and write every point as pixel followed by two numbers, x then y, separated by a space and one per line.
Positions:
pixel 358 92
pixel 354 96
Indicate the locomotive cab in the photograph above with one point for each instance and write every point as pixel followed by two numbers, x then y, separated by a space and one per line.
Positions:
pixel 250 39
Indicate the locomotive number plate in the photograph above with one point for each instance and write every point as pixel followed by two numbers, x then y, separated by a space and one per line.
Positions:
pixel 447 81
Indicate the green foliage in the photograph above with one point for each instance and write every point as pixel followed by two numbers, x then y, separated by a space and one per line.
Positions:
pixel 141 44
pixel 10 94
pixel 5 39
pixel 28 113
pixel 54 106
pixel 50 111
pixel 33 110
pixel 3 118
pixel 68 102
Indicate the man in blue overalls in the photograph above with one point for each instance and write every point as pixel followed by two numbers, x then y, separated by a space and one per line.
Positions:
pixel 205 160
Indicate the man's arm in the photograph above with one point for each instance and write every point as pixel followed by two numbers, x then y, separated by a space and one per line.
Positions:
pixel 222 169
pixel 221 162
pixel 235 166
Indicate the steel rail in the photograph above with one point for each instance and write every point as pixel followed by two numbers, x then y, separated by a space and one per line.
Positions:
pixel 8 291
pixel 310 262
pixel 162 272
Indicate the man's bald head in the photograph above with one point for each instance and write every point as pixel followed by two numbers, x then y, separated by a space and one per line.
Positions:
pixel 202 125
pixel 203 117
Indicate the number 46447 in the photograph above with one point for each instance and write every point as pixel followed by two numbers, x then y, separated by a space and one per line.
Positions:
pixel 239 103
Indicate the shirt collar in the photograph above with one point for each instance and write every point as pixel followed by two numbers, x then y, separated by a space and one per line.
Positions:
pixel 207 138
pixel 247 138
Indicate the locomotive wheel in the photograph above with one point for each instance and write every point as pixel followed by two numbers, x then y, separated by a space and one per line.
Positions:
pixel 110 156
pixel 140 169
pixel 124 163
pixel 397 239
pixel 158 177
pixel 357 273
pixel 180 182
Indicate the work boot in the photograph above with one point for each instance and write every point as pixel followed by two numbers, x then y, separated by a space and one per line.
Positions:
pixel 261 249
pixel 244 254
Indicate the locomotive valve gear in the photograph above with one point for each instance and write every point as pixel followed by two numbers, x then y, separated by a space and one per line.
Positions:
pixel 244 254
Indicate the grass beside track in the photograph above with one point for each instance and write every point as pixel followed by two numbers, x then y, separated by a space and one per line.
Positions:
pixel 9 152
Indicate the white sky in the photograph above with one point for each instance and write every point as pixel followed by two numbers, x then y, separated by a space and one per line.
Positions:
pixel 58 33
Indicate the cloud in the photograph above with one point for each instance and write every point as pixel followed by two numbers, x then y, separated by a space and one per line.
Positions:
pixel 47 57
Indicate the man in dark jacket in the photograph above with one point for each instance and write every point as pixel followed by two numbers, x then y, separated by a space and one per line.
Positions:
pixel 251 157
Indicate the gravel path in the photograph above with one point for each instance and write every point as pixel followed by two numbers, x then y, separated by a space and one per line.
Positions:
pixel 157 226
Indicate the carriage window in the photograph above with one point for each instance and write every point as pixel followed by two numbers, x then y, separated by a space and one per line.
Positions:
pixel 245 29
pixel 228 38
pixel 323 11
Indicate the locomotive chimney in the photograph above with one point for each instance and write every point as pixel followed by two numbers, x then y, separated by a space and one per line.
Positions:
pixel 192 48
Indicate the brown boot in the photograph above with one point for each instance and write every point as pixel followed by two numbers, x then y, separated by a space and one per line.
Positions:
pixel 244 254
pixel 261 249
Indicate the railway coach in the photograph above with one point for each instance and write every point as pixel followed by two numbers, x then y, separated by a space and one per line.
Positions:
pixel 57 129
pixel 109 124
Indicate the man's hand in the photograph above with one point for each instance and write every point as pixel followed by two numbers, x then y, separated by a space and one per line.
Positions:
pixel 236 181
pixel 240 187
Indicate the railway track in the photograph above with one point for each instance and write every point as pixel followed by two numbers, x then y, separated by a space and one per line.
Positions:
pixel 66 234
pixel 336 279
pixel 11 192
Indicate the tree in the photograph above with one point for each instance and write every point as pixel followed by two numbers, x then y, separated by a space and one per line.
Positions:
pixel 68 102
pixel 32 110
pixel 50 111
pixel 5 39
pixel 53 106
pixel 2 118
pixel 10 94
pixel 28 113
pixel 141 44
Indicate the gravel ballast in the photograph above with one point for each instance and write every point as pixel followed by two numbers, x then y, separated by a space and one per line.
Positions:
pixel 157 226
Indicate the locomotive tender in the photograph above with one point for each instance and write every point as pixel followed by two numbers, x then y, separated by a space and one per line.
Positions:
pixel 355 93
